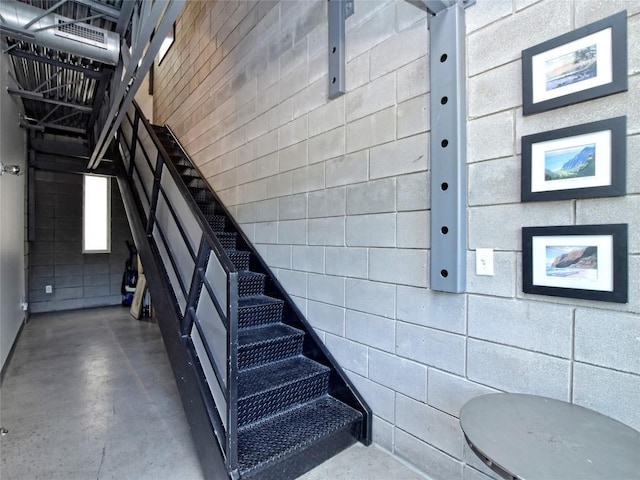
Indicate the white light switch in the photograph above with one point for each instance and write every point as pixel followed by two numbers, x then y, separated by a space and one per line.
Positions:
pixel 48 289
pixel 484 261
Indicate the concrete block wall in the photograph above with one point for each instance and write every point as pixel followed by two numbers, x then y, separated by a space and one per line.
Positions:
pixel 335 194
pixel 78 280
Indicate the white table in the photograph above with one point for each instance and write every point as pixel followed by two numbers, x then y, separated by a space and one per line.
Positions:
pixel 536 438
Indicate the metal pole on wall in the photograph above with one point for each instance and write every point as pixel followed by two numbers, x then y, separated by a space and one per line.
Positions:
pixel 448 145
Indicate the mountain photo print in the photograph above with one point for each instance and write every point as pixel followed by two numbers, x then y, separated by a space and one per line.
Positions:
pixel 581 161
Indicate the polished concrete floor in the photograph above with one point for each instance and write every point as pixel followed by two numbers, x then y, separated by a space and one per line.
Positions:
pixel 89 394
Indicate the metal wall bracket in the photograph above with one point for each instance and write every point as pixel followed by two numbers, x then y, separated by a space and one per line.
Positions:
pixel 339 11
pixel 448 146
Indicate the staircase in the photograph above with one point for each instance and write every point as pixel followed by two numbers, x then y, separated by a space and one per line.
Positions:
pixel 295 408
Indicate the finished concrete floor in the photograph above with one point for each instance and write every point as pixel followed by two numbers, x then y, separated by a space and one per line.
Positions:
pixel 89 394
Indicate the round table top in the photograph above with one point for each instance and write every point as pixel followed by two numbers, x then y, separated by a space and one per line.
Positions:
pixel 533 437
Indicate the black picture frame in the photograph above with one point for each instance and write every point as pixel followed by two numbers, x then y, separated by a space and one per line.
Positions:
pixel 592 158
pixel 603 68
pixel 598 272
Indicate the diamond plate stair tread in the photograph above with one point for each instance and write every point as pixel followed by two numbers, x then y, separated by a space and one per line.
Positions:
pixel 267 334
pixel 249 275
pixel 267 442
pixel 257 301
pixel 269 377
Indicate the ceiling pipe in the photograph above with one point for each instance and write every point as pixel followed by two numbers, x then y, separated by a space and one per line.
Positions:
pixel 59 33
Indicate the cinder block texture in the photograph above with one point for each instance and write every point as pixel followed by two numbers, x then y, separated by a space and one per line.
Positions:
pixel 516 370
pixel 449 393
pixel 78 280
pixel 399 266
pixel 502 284
pixel 377 230
pixel 371 297
pixel 337 195
pixel 371 330
pixel 491 137
pixel 443 311
pixel 430 460
pixel 430 425
pixel 380 398
pixel 529 325
pixel 431 347
pixel 607 391
pixel 608 339
pixel 351 355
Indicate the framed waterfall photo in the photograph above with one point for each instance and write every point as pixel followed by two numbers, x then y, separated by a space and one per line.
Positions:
pixel 583 261
pixel 587 63
pixel 582 161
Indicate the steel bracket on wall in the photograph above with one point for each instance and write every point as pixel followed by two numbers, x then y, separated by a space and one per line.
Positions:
pixel 339 11
pixel 448 144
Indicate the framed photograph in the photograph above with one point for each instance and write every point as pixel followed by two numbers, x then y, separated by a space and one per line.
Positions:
pixel 582 161
pixel 587 63
pixel 583 261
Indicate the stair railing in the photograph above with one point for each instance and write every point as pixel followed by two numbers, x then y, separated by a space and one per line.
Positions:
pixel 205 286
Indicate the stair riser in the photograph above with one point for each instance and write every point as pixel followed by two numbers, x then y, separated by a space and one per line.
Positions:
pixel 259 315
pixel 250 286
pixel 201 195
pixel 188 173
pixel 260 354
pixel 228 241
pixel 196 183
pixel 240 260
pixel 217 222
pixel 274 401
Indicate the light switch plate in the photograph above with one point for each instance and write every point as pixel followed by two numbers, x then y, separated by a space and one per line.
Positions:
pixel 484 261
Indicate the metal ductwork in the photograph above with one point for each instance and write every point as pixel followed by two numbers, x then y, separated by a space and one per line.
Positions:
pixel 57 32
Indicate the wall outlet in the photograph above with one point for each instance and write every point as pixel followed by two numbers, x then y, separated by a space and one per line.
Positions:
pixel 48 289
pixel 484 261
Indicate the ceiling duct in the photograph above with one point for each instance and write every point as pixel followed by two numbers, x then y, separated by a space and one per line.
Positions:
pixel 60 33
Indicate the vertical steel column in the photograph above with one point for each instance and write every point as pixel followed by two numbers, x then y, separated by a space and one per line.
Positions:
pixel 448 150
pixel 338 12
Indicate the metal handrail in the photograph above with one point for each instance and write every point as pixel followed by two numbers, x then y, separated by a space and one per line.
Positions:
pixel 199 284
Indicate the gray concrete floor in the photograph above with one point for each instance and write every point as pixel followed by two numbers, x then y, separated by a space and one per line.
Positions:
pixel 89 394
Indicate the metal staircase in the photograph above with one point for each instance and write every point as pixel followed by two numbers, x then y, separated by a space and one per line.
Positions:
pixel 276 401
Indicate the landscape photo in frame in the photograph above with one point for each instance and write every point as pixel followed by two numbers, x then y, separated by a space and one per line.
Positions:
pixel 587 63
pixel 582 261
pixel 582 161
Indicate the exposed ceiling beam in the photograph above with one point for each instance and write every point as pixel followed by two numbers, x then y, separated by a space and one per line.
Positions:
pixel 51 61
pixel 72 166
pixel 61 148
pixel 39 97
pixel 99 97
pixel 17 33
pixel 107 10
pixel 144 51
pixel 42 14
pixel 41 127
pixel 125 17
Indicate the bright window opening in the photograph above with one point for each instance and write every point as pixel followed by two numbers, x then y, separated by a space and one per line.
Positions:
pixel 96 214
